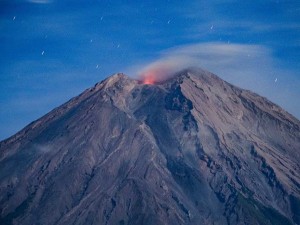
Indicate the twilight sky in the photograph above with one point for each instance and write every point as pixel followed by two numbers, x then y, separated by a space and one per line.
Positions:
pixel 51 50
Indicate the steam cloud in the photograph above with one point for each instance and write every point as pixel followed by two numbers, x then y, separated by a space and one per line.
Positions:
pixel 164 68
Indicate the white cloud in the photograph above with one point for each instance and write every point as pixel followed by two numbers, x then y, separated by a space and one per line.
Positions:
pixel 40 1
pixel 215 56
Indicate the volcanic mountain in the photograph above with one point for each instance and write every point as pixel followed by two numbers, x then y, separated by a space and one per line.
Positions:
pixel 192 149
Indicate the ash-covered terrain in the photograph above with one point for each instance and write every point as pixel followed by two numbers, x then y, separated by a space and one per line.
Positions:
pixel 192 149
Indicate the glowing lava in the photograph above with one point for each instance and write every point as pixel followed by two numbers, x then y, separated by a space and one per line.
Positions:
pixel 148 78
pixel 154 74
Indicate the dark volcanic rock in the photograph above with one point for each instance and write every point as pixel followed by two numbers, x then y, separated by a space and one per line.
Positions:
pixel 191 150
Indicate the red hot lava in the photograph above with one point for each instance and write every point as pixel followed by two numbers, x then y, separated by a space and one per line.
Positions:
pixel 155 74
pixel 148 78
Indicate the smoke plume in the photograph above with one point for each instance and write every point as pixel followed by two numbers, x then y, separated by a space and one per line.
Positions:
pixel 164 69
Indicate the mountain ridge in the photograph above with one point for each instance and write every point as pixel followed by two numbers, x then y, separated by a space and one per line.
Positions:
pixel 114 78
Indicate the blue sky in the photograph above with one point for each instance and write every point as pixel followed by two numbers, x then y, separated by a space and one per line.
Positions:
pixel 51 50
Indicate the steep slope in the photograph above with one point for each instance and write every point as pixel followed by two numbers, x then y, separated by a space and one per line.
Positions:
pixel 190 150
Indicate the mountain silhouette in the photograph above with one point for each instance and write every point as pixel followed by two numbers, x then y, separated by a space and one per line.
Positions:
pixel 192 149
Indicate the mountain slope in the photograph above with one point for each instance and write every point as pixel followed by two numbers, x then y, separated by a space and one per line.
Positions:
pixel 189 150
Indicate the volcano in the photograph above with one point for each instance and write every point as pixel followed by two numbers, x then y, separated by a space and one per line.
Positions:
pixel 192 149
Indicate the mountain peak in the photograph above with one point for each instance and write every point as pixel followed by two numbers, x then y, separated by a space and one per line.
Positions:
pixel 115 79
pixel 152 79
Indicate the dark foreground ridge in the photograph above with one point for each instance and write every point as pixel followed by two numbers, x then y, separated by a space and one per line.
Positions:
pixel 190 150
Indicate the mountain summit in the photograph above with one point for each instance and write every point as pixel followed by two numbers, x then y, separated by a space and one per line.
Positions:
pixel 192 149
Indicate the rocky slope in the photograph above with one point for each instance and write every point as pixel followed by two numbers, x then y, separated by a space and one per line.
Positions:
pixel 189 150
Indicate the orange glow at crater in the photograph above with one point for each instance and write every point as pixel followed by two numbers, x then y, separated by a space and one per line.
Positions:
pixel 154 75
pixel 148 78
